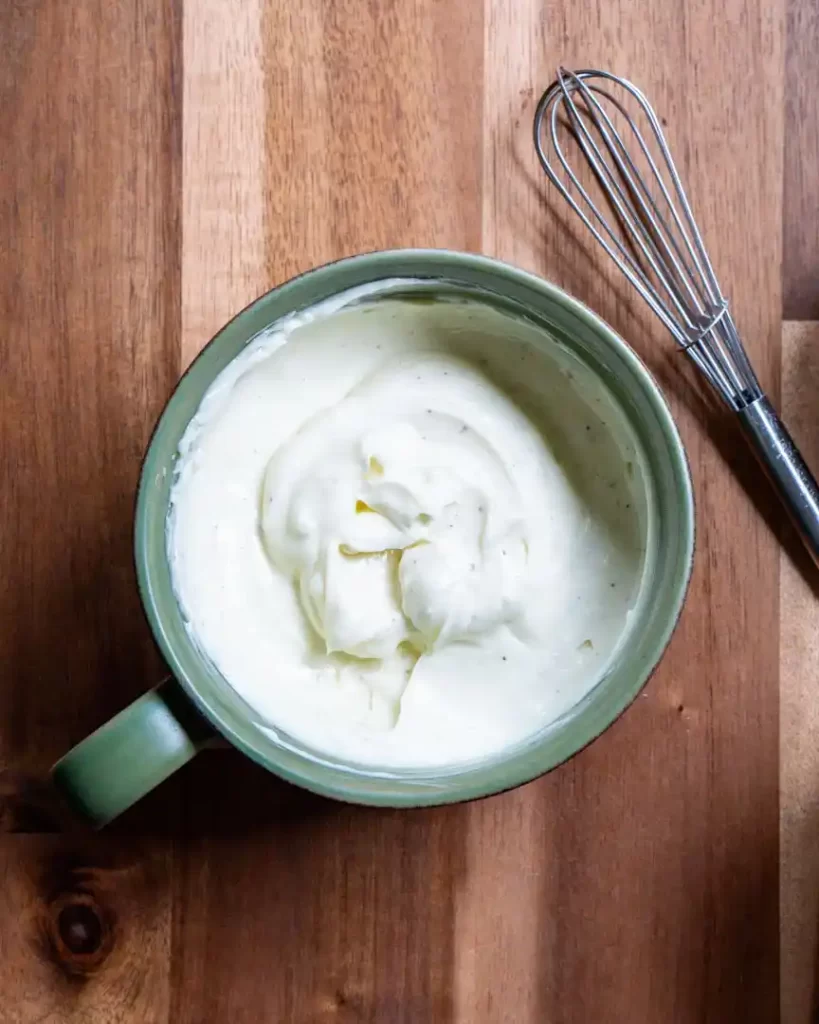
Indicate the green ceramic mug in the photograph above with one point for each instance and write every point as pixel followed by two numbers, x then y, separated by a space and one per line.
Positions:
pixel 149 740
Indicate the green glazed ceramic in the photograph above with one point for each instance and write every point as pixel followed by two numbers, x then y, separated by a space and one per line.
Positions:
pixel 149 740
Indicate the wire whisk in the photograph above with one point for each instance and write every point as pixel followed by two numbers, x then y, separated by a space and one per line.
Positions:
pixel 650 233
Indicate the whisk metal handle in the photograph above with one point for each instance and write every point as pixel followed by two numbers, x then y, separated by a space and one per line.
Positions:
pixel 779 457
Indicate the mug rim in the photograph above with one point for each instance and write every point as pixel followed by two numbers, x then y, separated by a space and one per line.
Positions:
pixel 502 271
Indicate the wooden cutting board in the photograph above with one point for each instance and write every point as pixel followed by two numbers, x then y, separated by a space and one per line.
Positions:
pixel 162 163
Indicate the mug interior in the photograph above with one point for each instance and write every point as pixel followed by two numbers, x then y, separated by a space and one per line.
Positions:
pixel 563 321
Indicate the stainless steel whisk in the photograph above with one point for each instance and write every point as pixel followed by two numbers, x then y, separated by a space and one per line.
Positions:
pixel 653 239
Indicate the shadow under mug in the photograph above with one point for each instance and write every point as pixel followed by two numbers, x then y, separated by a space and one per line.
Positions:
pixel 165 728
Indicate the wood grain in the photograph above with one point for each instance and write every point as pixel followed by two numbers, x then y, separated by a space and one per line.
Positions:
pixel 85 933
pixel 373 133
pixel 801 224
pixel 89 292
pixel 223 166
pixel 89 274
pixel 163 163
pixel 799 882
pixel 799 711
pixel 291 908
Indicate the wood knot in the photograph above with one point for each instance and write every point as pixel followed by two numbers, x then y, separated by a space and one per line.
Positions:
pixel 80 929
pixel 340 1004
pixel 78 933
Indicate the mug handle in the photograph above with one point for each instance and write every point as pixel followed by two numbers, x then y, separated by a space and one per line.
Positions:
pixel 131 754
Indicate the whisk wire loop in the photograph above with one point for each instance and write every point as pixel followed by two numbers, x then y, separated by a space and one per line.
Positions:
pixel 648 220
pixel 652 236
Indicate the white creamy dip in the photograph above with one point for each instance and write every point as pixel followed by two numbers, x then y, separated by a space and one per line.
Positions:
pixel 408 533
